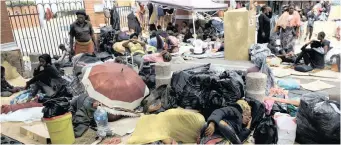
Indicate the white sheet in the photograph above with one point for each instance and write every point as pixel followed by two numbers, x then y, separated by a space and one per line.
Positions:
pixel 23 115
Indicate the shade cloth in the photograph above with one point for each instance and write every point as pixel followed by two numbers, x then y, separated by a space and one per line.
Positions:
pixel 193 5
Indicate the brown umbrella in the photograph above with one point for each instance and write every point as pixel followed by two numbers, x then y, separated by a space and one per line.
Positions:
pixel 115 85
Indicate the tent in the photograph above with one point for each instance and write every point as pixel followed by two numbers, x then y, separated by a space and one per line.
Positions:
pixel 192 5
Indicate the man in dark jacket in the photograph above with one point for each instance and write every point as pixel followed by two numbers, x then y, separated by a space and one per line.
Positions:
pixel 314 56
pixel 230 122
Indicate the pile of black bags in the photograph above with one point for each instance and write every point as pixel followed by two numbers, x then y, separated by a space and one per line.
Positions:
pixel 318 120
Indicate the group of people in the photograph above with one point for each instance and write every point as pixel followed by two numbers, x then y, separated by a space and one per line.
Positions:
pixel 287 29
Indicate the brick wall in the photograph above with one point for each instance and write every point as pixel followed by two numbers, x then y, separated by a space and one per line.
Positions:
pixel 95 18
pixel 6 30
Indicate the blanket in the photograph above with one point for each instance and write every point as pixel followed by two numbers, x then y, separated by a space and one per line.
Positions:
pixel 179 124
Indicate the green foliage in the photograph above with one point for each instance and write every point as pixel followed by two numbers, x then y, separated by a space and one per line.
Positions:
pixel 18 3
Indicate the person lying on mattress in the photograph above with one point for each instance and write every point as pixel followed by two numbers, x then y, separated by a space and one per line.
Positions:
pixel 6 88
pixel 229 124
pixel 45 76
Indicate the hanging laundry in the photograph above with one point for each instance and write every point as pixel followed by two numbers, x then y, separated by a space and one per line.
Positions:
pixel 48 14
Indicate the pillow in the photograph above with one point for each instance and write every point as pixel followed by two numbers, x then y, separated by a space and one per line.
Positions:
pixel 10 71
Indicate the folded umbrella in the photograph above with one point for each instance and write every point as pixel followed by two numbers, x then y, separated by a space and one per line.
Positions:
pixel 115 85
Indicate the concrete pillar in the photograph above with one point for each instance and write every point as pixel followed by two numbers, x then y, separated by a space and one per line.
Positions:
pixel 256 85
pixel 10 52
pixel 6 30
pixel 163 73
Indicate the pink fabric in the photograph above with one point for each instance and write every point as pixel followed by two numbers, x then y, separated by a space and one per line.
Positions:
pixel 156 57
pixel 268 105
pixel 174 40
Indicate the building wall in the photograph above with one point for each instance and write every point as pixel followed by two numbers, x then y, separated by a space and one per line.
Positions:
pixel 95 18
pixel 26 21
pixel 6 30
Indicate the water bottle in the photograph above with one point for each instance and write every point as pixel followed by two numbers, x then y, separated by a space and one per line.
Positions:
pixel 101 118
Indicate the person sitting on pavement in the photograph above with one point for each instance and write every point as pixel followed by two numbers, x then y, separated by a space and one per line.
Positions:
pixel 136 49
pixel 171 42
pixel 156 41
pixel 163 56
pixel 46 74
pixel 6 88
pixel 65 59
pixel 287 55
pixel 228 123
pixel 314 56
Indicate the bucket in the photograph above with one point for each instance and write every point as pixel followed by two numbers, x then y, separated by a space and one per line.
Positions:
pixel 60 129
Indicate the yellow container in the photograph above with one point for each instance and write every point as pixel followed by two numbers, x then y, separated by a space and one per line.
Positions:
pixel 60 129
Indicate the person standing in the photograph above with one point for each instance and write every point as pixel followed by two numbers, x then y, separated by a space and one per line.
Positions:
pixel 134 24
pixel 310 27
pixel 81 30
pixel 288 27
pixel 264 26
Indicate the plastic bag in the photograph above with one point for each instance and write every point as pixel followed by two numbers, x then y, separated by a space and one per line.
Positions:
pixel 266 131
pixel 161 94
pixel 24 97
pixel 288 84
pixel 56 106
pixel 286 127
pixel 318 120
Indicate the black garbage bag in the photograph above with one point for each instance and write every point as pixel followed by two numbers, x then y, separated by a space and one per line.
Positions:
pixel 82 115
pixel 279 107
pixel 55 107
pixel 81 60
pixel 161 94
pixel 266 131
pixel 318 120
pixel 257 111
pixel 147 73
pixel 204 90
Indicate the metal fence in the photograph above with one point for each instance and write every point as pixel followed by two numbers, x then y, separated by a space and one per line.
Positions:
pixel 39 27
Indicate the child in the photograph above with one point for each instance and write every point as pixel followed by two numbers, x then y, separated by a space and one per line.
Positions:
pixel 7 89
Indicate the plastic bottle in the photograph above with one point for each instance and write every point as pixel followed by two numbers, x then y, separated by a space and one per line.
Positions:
pixel 101 118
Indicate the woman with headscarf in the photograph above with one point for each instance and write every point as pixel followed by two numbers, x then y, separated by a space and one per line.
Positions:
pixel 171 42
pixel 288 25
pixel 227 125
pixel 45 74
pixel 81 30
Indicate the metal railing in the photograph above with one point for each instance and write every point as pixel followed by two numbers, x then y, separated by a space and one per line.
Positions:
pixel 39 27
